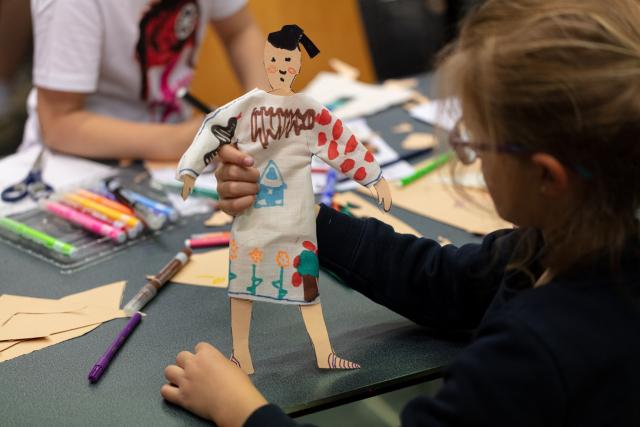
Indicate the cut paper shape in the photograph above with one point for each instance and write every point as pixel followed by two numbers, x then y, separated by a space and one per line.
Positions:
pixel 419 141
pixel 343 69
pixel 218 219
pixel 404 127
pixel 366 209
pixel 283 131
pixel 205 269
pixel 428 197
pixel 55 321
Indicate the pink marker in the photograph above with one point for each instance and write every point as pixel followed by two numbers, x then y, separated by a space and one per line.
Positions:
pixel 210 241
pixel 85 221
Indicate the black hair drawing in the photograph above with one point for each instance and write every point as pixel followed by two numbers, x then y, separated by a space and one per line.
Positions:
pixel 289 36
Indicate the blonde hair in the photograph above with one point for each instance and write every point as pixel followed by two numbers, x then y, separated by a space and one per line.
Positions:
pixel 561 77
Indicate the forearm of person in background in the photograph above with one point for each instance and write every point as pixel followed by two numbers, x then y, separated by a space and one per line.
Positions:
pixel 68 128
pixel 244 43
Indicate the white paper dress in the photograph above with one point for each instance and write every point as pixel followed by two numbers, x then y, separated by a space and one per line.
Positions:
pixel 273 250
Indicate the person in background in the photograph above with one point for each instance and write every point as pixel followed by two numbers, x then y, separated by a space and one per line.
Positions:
pixel 550 94
pixel 106 73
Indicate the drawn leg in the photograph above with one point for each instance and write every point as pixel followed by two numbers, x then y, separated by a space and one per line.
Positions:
pixel 317 330
pixel 240 324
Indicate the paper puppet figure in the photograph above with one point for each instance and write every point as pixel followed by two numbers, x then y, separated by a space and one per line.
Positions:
pixel 275 255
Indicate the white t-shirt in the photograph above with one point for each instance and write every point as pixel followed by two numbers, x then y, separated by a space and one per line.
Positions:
pixel 129 56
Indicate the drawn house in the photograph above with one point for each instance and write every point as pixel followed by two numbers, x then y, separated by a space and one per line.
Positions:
pixel 272 187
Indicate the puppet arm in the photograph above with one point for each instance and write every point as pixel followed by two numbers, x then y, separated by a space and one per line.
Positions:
pixel 338 147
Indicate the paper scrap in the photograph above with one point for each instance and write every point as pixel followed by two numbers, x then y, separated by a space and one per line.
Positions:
pixel 472 210
pixel 345 70
pixel 404 127
pixel 60 171
pixel 419 141
pixel 364 98
pixel 365 209
pixel 218 219
pixel 206 269
pixel 54 321
pixel 443 240
pixel 408 83
pixel 443 113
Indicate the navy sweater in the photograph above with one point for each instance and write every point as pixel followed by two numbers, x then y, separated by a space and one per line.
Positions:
pixel 563 354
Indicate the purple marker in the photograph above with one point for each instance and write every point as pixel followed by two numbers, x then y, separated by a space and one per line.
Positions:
pixel 103 362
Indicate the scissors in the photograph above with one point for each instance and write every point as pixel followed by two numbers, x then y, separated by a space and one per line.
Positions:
pixel 31 185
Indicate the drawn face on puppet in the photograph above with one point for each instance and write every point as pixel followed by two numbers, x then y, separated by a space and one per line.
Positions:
pixel 282 65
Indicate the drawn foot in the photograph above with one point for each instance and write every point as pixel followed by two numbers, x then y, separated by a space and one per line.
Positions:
pixel 335 362
pixel 247 368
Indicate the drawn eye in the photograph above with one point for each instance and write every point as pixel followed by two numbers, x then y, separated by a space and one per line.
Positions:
pixel 287 59
pixel 273 59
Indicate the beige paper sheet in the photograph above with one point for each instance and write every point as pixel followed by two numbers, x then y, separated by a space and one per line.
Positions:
pixel 419 141
pixel 206 269
pixel 36 316
pixel 367 209
pixel 218 219
pixel 475 214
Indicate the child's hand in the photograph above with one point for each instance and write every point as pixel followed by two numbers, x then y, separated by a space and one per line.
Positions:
pixel 209 385
pixel 237 180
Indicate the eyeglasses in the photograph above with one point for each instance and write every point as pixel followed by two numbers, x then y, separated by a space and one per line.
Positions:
pixel 467 150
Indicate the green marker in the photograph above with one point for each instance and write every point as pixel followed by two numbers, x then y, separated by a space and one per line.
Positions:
pixel 430 167
pixel 196 191
pixel 37 236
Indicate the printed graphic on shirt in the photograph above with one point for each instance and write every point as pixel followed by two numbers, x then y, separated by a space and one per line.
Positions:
pixel 272 187
pixel 166 52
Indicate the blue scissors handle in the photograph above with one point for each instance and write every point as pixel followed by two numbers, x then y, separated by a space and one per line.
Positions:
pixel 32 185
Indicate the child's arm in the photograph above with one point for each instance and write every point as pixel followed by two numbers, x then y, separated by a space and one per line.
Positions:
pixel 446 288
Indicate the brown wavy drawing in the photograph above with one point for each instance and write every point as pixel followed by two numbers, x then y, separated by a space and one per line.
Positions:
pixel 271 124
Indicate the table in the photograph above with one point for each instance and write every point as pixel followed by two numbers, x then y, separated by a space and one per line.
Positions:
pixel 50 386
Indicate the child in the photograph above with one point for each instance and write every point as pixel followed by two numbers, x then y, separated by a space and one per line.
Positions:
pixel 106 73
pixel 550 93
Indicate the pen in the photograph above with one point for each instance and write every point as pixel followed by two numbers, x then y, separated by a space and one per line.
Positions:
pixel 110 213
pixel 103 362
pixel 329 188
pixel 430 167
pixel 37 236
pixel 221 239
pixel 406 157
pixel 161 208
pixel 132 233
pixel 154 283
pixel 183 93
pixel 147 215
pixel 98 198
pixel 85 221
pixel 197 191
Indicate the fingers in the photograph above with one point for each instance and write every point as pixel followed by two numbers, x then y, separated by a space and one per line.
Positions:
pixel 231 172
pixel 236 206
pixel 230 154
pixel 204 347
pixel 171 394
pixel 183 357
pixel 174 374
pixel 235 189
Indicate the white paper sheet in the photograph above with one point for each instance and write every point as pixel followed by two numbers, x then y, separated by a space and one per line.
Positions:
pixel 443 113
pixel 59 171
pixel 364 98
